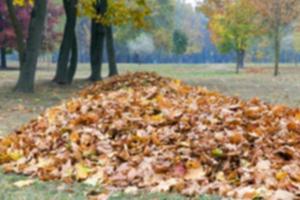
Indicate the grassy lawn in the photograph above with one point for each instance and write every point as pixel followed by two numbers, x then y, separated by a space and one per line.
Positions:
pixel 17 109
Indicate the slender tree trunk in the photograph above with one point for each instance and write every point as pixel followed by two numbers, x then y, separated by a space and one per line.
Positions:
pixel 296 59
pixel 113 70
pixel 242 60
pixel 21 45
pixel 2 50
pixel 28 68
pixel 73 61
pixel 66 51
pixel 237 70
pixel 277 37
pixel 97 44
pixel 240 57
pixel 277 53
pixel 3 58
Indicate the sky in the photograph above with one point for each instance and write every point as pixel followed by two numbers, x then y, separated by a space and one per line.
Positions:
pixel 193 2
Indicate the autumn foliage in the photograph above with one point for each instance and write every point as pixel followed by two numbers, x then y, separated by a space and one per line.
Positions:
pixel 143 131
pixel 117 13
pixel 233 25
pixel 23 9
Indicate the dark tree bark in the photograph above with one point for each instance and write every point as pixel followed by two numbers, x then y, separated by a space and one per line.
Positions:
pixel 73 61
pixel 113 70
pixel 99 33
pixel 21 45
pixel 240 57
pixel 67 48
pixel 97 44
pixel 28 68
pixel 2 50
pixel 3 58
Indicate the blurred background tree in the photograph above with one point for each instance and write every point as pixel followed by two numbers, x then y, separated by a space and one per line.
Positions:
pixel 233 26
pixel 145 31
pixel 180 42
pixel 276 16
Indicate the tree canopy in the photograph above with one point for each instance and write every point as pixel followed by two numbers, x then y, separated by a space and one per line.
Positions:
pixel 117 12
pixel 180 42
pixel 232 24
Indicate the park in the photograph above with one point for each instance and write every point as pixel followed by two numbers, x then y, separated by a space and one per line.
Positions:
pixel 149 99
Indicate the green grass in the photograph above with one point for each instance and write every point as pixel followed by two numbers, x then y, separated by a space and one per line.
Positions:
pixel 56 190
pixel 17 109
pixel 40 190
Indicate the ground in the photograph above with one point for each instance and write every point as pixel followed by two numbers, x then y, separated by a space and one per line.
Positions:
pixel 16 109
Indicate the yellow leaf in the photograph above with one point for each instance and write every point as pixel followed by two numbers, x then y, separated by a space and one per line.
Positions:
pixel 44 162
pixel 217 153
pixel 157 118
pixel 74 137
pixel 24 183
pixel 177 82
pixel 297 116
pixel 220 176
pixel 96 178
pixel 281 175
pixel 73 106
pixel 15 155
pixel 82 172
pixel 192 164
pixel 52 114
pixel 155 138
pixel 4 158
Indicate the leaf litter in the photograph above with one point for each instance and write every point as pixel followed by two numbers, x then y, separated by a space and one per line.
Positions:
pixel 141 131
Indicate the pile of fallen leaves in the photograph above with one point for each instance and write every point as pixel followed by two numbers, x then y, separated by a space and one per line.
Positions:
pixel 144 132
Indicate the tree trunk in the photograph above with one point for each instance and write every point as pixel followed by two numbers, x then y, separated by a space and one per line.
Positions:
pixel 240 57
pixel 113 70
pixel 296 59
pixel 277 53
pixel 3 58
pixel 21 45
pixel 66 48
pixel 73 61
pixel 277 37
pixel 97 44
pixel 28 68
